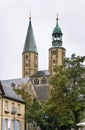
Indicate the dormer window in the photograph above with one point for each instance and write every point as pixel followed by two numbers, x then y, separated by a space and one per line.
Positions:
pixel 13 85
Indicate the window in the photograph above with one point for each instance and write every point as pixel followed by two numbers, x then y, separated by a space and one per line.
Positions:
pixel 36 81
pixel 35 57
pixel 54 69
pixel 5 124
pixel 35 65
pixel 26 73
pixel 9 124
pixel 13 106
pixel 13 109
pixel 63 53
pixel 26 64
pixel 54 52
pixel 26 57
pixel 6 120
pixel 18 108
pixel 44 81
pixel 54 61
pixel 6 105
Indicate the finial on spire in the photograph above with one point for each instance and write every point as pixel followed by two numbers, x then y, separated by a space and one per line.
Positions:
pixel 30 15
pixel 57 19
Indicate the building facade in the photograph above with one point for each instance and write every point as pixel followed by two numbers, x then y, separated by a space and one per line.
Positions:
pixel 12 109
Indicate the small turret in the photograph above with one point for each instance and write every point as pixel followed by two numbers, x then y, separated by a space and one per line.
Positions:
pixel 57 35
pixel 56 52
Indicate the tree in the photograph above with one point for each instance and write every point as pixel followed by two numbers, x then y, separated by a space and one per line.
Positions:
pixel 68 91
pixel 35 109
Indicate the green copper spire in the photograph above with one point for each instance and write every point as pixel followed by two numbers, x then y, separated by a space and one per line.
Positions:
pixel 57 28
pixel 30 44
pixel 57 35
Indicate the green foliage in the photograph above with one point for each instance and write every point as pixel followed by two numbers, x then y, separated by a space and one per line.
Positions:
pixel 68 91
pixel 66 105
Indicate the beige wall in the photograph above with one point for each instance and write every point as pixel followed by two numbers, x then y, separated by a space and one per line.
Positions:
pixel 31 62
pixel 19 116
pixel 55 54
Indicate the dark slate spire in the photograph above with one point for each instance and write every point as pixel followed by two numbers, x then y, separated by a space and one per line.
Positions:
pixel 30 44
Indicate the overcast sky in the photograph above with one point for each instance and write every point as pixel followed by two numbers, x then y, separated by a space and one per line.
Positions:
pixel 14 20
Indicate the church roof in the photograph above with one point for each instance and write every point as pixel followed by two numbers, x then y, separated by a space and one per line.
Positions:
pixel 41 73
pixel 8 92
pixel 16 83
pixel 57 29
pixel 30 44
pixel 42 91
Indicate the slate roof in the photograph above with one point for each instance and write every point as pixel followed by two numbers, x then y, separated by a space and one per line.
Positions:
pixel 41 73
pixel 42 91
pixel 30 44
pixel 15 82
pixel 8 92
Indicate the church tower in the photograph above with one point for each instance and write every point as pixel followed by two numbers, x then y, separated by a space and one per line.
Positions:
pixel 30 54
pixel 57 51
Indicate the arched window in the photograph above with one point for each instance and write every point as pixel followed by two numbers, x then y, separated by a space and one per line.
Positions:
pixel 54 61
pixel 44 81
pixel 36 81
pixel 26 57
pixel 26 64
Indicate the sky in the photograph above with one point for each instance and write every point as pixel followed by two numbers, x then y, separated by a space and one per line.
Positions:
pixel 14 21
